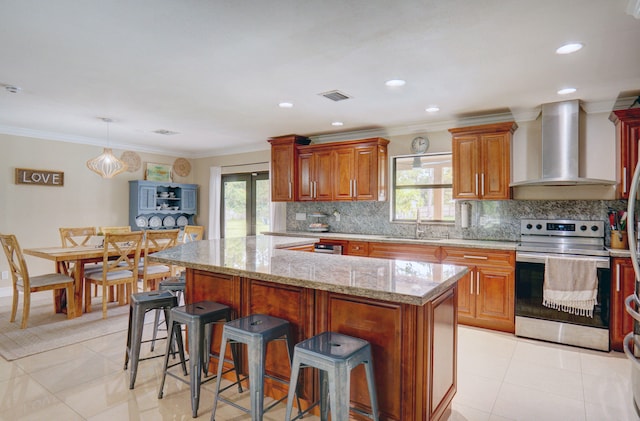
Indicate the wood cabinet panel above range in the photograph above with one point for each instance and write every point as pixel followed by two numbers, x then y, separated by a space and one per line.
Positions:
pixel 336 171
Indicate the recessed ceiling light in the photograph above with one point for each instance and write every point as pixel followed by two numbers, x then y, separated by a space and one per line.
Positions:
pixel 285 105
pixel 395 83
pixel 432 109
pixel 569 48
pixel 566 91
pixel 337 123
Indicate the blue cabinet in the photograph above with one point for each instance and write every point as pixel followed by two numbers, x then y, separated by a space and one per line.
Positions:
pixel 158 205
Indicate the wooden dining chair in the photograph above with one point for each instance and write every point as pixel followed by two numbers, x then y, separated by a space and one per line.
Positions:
pixel 150 272
pixel 114 230
pixel 119 268
pixel 193 233
pixel 25 284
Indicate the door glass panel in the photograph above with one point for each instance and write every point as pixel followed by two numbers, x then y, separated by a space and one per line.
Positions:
pixel 262 206
pixel 235 209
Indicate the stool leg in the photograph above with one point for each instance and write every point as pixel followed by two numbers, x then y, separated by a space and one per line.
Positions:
pixel 339 396
pixel 368 365
pixel 223 349
pixel 324 395
pixel 257 355
pixel 208 337
pixel 136 342
pixel 234 357
pixel 196 338
pixel 290 352
pixel 293 384
pixel 166 359
pixel 128 350
pixel 156 322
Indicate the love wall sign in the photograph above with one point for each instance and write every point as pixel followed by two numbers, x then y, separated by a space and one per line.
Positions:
pixel 39 177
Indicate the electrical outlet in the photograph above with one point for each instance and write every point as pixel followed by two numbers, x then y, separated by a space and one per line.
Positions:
pixel 5 275
pixel 337 215
pixel 301 216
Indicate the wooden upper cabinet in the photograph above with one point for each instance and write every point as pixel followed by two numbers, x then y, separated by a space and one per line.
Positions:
pixel 627 137
pixel 482 161
pixel 284 175
pixel 315 174
pixel 352 170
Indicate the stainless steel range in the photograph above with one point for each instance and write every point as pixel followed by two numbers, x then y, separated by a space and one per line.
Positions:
pixel 565 238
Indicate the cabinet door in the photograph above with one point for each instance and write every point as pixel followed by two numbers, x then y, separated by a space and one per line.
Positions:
pixel 305 176
pixel 466 297
pixel 365 184
pixel 495 298
pixel 323 166
pixel 627 149
pixel 147 198
pixel 189 199
pixel 622 285
pixel 282 164
pixel 466 171
pixel 344 160
pixel 496 163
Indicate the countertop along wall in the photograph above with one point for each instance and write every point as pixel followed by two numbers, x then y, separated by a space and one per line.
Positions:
pixel 34 213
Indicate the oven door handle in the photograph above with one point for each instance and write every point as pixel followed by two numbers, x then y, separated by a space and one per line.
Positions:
pixel 527 257
pixel 627 303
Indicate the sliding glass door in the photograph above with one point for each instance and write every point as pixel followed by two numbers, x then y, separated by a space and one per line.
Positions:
pixel 245 204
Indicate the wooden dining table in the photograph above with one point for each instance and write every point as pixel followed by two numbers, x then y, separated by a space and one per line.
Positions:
pixel 79 256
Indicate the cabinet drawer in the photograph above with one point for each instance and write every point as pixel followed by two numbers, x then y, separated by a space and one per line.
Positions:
pixel 479 257
pixel 358 248
pixel 421 253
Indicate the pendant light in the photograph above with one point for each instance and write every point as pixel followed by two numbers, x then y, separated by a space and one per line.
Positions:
pixel 106 165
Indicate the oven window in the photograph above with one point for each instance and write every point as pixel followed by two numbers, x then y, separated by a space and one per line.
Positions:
pixel 529 281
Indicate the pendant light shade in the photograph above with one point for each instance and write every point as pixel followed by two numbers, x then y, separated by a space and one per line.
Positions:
pixel 106 165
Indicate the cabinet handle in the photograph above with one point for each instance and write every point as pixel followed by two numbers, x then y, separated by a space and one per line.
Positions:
pixel 477 283
pixel 289 189
pixel 624 179
pixel 476 184
pixel 471 283
pixel 468 256
pixel 315 189
pixel 482 184
pixel 618 277
pixel 355 188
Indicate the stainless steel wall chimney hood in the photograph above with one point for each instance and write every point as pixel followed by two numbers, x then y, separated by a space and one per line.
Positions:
pixel 560 148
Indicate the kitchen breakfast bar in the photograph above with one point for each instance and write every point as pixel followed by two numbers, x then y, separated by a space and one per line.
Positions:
pixel 407 310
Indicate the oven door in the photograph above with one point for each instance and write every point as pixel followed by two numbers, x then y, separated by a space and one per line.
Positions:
pixel 537 321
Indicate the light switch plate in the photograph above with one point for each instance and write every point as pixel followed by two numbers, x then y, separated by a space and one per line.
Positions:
pixel 5 275
pixel 301 216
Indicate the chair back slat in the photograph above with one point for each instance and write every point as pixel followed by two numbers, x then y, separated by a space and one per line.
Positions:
pixel 115 230
pixel 75 237
pixel 193 233
pixel 16 261
pixel 122 252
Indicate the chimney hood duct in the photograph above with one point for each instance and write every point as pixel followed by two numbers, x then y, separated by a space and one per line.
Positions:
pixel 561 148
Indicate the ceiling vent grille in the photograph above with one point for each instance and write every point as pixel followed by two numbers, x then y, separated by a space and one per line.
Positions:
pixel 335 95
pixel 165 132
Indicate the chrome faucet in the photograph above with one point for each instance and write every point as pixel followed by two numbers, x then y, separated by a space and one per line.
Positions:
pixel 418 222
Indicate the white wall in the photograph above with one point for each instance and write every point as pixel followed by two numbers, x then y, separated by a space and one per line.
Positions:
pixel 34 213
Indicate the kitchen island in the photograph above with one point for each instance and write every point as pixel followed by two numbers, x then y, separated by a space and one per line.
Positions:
pixel 405 309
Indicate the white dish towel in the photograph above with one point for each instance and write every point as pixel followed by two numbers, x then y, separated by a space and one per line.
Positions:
pixel 570 285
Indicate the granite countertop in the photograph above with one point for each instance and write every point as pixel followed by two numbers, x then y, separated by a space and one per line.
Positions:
pixel 264 257
pixel 451 242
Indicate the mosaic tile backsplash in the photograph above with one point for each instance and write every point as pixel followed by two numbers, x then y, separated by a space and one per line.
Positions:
pixel 489 220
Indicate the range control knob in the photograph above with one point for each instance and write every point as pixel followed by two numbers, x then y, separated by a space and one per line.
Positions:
pixel 529 226
pixel 583 227
pixel 539 226
pixel 594 228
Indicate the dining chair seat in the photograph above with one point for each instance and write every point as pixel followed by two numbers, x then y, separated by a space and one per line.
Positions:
pixel 154 270
pixel 45 280
pixel 97 276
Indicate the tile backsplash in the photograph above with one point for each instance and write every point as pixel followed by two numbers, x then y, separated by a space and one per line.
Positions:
pixel 489 220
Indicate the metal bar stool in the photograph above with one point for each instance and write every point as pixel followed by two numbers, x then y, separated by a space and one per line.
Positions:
pixel 139 305
pixel 195 316
pixel 176 285
pixel 334 355
pixel 255 331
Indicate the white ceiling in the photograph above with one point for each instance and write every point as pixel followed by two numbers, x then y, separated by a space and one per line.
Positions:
pixel 214 71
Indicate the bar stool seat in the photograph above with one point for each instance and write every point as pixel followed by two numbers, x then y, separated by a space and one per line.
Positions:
pixel 335 355
pixel 255 331
pixel 195 316
pixel 139 305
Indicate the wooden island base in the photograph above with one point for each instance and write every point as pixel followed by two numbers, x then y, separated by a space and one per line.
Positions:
pixel 414 347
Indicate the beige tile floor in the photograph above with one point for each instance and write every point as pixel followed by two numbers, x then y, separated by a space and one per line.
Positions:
pixel 500 377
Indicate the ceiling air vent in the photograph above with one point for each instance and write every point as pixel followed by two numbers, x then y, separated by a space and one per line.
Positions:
pixel 165 132
pixel 335 96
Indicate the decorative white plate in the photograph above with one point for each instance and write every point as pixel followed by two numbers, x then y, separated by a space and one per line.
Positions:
pixel 169 221
pixel 155 222
pixel 141 221
pixel 182 221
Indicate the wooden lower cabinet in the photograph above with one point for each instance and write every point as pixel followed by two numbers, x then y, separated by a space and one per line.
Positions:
pixel 418 252
pixel 622 285
pixel 486 294
pixel 414 347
